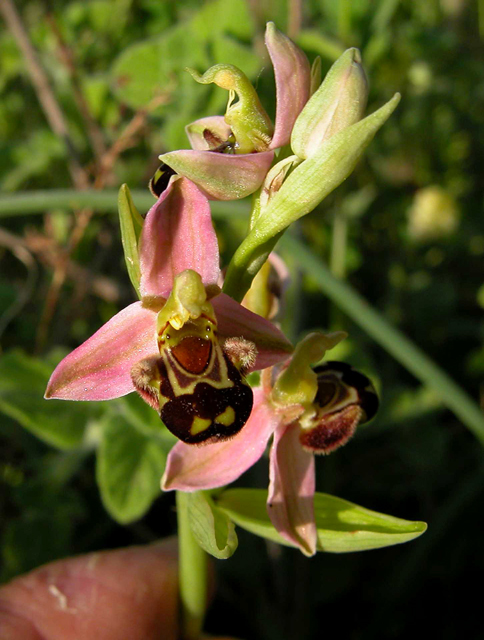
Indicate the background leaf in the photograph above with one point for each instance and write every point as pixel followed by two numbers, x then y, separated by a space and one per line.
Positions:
pixel 23 380
pixel 129 469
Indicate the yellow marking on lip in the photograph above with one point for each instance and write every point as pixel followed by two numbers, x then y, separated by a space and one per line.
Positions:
pixel 226 418
pixel 199 425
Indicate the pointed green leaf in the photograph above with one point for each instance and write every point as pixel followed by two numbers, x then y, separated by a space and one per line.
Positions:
pixel 307 185
pixel 131 224
pixel 22 386
pixel 129 469
pixel 342 526
pixel 211 527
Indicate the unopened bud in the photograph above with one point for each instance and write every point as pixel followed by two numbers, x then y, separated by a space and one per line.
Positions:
pixel 338 103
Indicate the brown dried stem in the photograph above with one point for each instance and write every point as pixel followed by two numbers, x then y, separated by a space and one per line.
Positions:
pixel 49 104
pixel 66 55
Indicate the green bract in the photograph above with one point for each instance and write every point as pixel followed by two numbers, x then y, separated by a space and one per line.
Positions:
pixel 341 525
pixel 211 527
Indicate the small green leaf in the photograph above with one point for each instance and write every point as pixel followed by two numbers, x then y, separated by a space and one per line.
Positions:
pixel 210 526
pixel 131 224
pixel 22 386
pixel 342 526
pixel 129 469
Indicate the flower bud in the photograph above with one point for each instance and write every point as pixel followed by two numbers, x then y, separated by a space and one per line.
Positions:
pixel 338 103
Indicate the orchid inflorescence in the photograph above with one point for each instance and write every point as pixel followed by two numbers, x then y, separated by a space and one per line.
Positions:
pixel 189 343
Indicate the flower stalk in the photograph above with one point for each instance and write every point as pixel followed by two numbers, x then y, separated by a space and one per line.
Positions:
pixel 192 574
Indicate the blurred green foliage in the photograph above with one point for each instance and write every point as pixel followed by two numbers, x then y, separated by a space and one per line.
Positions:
pixel 415 460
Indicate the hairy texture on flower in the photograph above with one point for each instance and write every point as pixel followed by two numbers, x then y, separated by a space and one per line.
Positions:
pixel 168 347
pixel 302 422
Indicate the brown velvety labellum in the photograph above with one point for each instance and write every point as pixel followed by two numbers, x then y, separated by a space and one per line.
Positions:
pixel 208 414
pixel 193 354
pixel 345 399
pixel 332 431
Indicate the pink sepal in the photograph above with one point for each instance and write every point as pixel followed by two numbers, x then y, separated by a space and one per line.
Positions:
pixel 293 80
pixel 100 368
pixel 177 234
pixel 221 176
pixel 216 124
pixel 234 320
pixel 192 468
pixel 291 490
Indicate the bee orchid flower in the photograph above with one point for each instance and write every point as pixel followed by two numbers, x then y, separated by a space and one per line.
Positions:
pixel 231 154
pixel 308 410
pixel 185 346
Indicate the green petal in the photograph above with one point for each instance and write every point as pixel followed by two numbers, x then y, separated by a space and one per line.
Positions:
pixel 131 224
pixel 342 526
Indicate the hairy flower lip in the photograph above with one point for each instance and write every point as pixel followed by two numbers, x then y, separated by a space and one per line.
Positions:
pixel 177 235
pixel 291 466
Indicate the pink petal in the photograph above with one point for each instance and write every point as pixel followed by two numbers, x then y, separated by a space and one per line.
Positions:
pixel 100 368
pixel 177 234
pixel 216 124
pixel 234 320
pixel 191 467
pixel 221 176
pixel 293 80
pixel 291 490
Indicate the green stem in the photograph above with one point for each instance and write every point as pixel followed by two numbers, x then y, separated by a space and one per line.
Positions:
pixel 20 204
pixel 338 245
pixel 337 262
pixel 192 574
pixel 391 339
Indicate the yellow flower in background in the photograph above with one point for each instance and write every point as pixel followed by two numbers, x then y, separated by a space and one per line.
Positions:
pixel 434 214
